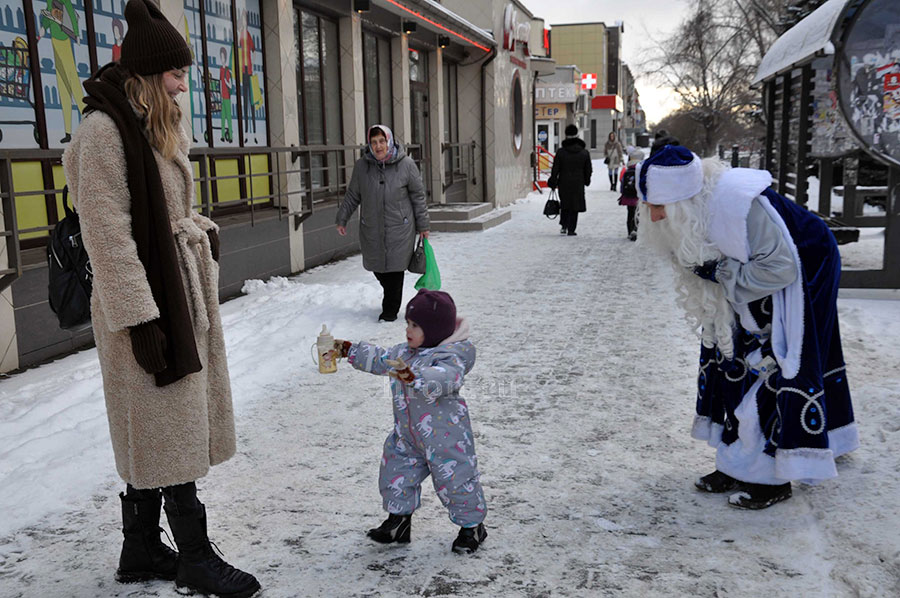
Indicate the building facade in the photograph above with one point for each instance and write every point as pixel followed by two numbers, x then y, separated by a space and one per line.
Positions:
pixel 281 95
pixel 595 49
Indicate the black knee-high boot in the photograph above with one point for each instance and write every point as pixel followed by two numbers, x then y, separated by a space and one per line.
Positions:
pixel 199 567
pixel 144 556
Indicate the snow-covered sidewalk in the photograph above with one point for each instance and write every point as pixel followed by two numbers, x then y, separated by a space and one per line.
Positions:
pixel 581 401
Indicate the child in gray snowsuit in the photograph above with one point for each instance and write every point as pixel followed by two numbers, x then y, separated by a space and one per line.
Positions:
pixel 432 434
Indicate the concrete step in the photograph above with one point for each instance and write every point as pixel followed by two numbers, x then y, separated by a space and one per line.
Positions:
pixel 483 222
pixel 458 211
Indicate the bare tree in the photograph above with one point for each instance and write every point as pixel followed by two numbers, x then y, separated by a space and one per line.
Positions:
pixel 710 61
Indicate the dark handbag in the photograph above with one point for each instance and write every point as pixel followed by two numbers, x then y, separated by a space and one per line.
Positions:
pixel 551 208
pixel 417 261
pixel 606 160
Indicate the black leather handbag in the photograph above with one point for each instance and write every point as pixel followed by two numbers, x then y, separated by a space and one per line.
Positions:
pixel 417 261
pixel 551 208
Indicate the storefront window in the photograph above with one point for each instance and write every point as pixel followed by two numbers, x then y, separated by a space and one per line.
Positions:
pixel 377 77
pixel 517 116
pixel 318 93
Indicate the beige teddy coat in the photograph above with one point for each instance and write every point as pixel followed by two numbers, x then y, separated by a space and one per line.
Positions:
pixel 167 435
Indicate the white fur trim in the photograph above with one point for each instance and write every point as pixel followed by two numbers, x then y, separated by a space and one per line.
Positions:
pixel 844 439
pixel 729 206
pixel 668 184
pixel 701 428
pixel 806 465
pixel 787 309
pixel 744 458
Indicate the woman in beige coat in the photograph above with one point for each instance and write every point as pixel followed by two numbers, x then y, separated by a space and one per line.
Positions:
pixel 155 305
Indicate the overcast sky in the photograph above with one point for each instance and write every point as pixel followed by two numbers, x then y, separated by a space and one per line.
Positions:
pixel 643 19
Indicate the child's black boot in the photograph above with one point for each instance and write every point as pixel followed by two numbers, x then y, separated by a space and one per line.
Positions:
pixel 469 539
pixel 396 528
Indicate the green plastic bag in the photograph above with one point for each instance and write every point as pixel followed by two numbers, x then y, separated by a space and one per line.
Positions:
pixel 431 280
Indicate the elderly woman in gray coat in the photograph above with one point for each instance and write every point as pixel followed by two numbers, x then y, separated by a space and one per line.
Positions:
pixel 388 189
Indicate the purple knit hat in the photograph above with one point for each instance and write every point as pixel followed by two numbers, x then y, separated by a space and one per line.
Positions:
pixel 435 313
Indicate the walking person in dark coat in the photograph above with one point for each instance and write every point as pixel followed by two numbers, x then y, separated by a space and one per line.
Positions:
pixel 571 173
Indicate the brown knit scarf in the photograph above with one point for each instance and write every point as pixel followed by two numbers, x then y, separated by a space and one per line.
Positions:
pixel 150 225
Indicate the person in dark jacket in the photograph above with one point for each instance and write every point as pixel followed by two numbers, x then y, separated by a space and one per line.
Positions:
pixel 571 173
pixel 388 189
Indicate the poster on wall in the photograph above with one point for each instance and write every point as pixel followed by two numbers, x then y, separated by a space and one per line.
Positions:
pixel 109 29
pixel 18 124
pixel 63 48
pixel 831 137
pixel 219 76
pixel 869 78
pixel 197 105
pixel 249 71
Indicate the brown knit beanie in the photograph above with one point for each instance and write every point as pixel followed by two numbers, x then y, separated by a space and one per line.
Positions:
pixel 152 45
pixel 435 313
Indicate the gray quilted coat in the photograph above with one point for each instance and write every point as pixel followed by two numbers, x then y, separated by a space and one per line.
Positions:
pixel 391 201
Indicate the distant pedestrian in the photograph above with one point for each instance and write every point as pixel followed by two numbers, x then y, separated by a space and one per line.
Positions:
pixel 628 190
pixel 388 189
pixel 613 154
pixel 571 172
pixel 155 305
pixel 432 433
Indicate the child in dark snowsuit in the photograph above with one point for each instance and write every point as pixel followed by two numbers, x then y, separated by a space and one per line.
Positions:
pixel 432 434
pixel 628 188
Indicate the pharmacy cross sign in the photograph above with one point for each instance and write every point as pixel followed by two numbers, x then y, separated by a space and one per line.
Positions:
pixel 589 81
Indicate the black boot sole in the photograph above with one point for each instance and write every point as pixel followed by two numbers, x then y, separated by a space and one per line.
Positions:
pixel 139 576
pixel 716 484
pixel 404 531
pixel 743 500
pixel 377 536
pixel 467 549
pixel 189 590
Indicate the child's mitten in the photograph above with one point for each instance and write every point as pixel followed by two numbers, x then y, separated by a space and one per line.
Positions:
pixel 401 371
pixel 341 347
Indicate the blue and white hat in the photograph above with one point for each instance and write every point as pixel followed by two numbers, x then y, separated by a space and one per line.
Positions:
pixel 672 174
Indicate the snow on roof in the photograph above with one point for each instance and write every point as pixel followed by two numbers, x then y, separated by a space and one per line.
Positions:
pixel 452 16
pixel 809 37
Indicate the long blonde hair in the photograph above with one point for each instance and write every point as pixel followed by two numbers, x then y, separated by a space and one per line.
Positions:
pixel 161 114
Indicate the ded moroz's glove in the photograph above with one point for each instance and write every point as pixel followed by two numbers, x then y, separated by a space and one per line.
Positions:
pixel 401 371
pixel 148 343
pixel 708 270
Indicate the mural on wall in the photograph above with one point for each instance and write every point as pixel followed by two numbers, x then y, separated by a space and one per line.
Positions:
pixel 218 77
pixel 250 72
pixel 109 29
pixel 18 125
pixel 64 51
pixel 63 47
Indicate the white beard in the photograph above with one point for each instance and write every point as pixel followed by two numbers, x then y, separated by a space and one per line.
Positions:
pixel 681 236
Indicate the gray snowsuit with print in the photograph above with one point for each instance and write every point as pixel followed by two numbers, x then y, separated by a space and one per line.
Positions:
pixel 432 433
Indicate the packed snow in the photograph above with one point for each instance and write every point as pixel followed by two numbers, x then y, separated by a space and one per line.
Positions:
pixel 581 400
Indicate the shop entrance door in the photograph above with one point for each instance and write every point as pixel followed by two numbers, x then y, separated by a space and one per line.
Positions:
pixel 545 139
pixel 420 134
pixel 543 134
